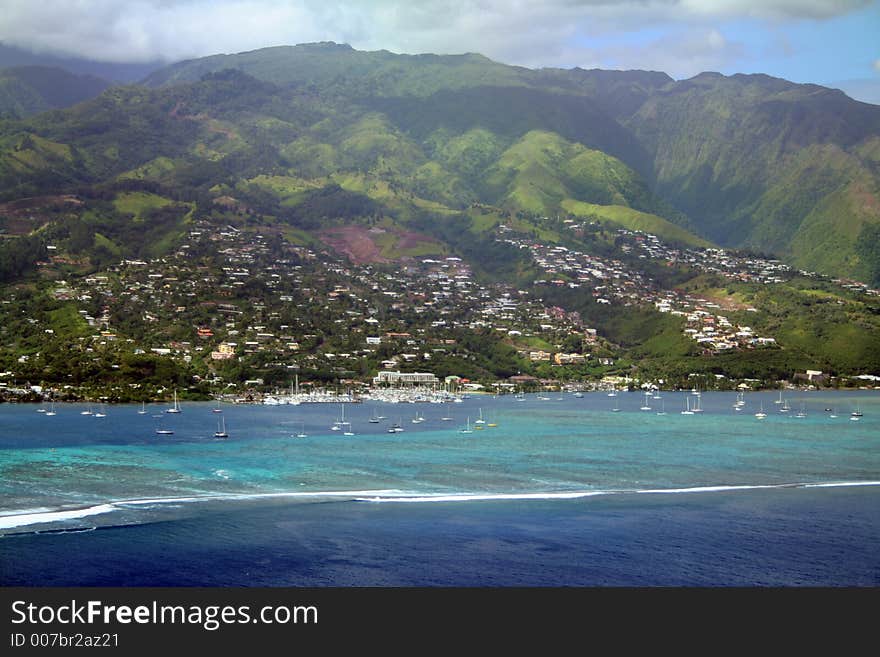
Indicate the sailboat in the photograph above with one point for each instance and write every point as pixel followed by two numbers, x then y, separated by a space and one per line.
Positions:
pixel 302 431
pixel 348 432
pixel 339 423
pixel 645 406
pixel 221 429
pixel 856 414
pixel 217 409
pixel 761 414
pixel 697 408
pixel 101 412
pixel 374 419
pixel 687 410
pixel 88 411
pixel 143 410
pixel 467 427
pixel 51 410
pixel 779 401
pixel 802 412
pixel 662 410
pixel 480 420
pixel 395 428
pixel 176 407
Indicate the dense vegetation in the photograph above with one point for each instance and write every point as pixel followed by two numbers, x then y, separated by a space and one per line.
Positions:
pixel 302 140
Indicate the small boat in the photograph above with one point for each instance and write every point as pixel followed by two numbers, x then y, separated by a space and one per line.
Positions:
pixel 467 427
pixel 395 428
pixel 646 406
pixel 88 411
pixel 164 432
pixel 662 410
pixel 101 413
pixel 302 431
pixel 687 410
pixel 221 429
pixel 374 419
pixel 51 410
pixel 579 395
pixel 779 401
pixel 761 414
pixel 176 407
pixel 856 413
pixel 802 412
pixel 143 410
pixel 216 409
pixel 480 420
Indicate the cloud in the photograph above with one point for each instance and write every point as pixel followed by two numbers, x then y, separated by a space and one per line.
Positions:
pixel 530 33
pixel 877 65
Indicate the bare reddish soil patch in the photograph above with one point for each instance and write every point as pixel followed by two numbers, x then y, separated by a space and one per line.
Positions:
pixel 355 242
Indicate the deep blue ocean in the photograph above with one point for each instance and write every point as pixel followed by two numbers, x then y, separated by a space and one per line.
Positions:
pixel 552 490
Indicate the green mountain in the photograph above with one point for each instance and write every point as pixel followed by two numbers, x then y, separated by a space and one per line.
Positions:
pixel 309 153
pixel 743 161
pixel 27 90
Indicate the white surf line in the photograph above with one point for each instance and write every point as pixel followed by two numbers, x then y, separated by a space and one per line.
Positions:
pixel 42 516
pixel 23 519
pixel 470 497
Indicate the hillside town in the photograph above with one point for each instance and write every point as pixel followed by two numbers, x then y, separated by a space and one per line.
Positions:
pixel 232 301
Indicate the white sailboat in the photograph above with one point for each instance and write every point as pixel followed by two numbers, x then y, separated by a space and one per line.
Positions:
pixel 176 407
pixel 51 410
pixel 302 431
pixel 687 403
pixel 101 412
pixel 467 427
pixel 761 414
pixel 221 429
pixel 143 410
pixel 480 420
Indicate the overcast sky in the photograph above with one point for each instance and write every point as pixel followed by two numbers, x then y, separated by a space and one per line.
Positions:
pixel 834 42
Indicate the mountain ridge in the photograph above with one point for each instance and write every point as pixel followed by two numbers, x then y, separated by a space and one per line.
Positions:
pixel 726 157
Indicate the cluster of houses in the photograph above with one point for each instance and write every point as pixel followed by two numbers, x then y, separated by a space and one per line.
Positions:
pixel 612 281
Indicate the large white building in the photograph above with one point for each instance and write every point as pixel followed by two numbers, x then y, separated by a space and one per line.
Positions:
pixel 405 378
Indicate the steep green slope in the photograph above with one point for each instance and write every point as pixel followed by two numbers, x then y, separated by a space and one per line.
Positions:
pixel 750 158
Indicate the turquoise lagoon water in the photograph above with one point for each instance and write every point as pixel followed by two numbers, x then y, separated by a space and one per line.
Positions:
pixel 563 490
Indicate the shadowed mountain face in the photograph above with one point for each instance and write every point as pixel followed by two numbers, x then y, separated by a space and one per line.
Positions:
pixel 27 90
pixel 745 160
